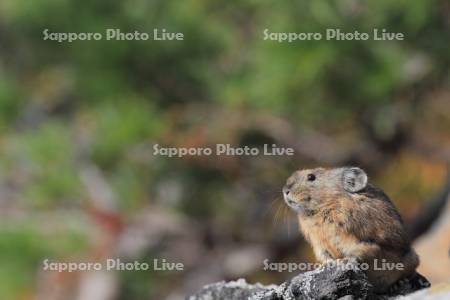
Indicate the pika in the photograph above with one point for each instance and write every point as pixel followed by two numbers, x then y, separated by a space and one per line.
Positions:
pixel 343 216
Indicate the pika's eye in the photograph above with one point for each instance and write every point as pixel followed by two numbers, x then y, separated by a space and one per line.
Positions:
pixel 311 177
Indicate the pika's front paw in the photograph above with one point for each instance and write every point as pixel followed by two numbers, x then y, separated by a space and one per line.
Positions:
pixel 409 284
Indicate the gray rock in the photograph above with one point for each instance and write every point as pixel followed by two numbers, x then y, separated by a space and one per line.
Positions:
pixel 239 289
pixel 332 282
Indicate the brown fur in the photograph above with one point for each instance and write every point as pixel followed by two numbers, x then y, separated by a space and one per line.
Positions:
pixel 339 224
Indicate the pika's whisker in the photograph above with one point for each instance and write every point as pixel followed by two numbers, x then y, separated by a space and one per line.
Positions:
pixel 277 215
pixel 272 205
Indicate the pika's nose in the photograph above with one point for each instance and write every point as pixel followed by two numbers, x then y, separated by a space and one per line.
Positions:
pixel 286 191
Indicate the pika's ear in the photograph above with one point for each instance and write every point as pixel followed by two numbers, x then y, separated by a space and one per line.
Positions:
pixel 354 179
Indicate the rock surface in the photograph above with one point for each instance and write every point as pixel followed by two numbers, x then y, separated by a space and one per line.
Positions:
pixel 327 283
pixel 434 248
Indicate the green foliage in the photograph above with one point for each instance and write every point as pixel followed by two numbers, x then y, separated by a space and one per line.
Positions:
pixel 120 126
pixel 47 157
pixel 23 250
pixel 10 103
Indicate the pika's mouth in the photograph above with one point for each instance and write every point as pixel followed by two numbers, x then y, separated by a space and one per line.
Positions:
pixel 291 203
pixel 295 204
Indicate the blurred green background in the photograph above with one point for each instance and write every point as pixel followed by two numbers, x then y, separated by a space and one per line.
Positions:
pixel 78 121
